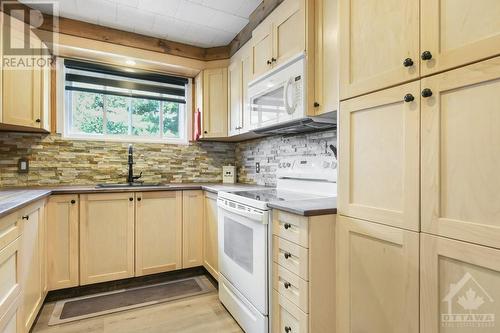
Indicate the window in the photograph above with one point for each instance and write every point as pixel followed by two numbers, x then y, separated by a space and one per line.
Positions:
pixel 112 103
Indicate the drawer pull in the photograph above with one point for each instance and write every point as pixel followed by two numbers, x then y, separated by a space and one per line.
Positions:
pixel 287 226
pixel 287 255
pixel 26 217
pixel 287 285
pixel 288 329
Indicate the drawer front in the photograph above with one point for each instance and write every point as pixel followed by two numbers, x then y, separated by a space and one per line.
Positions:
pixel 291 286
pixel 10 229
pixel 9 275
pixel 9 318
pixel 291 227
pixel 293 257
pixel 287 318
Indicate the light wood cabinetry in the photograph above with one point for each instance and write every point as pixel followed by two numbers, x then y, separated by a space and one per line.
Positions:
pixel 378 278
pixel 106 237
pixel 158 228
pixel 379 168
pixel 375 40
pixel 460 284
pixel 235 95
pixel 10 274
pixel 210 239
pixel 460 197
pixel 33 265
pixel 326 56
pixel 193 215
pixel 9 318
pixel 303 273
pixel 214 108
pixel 63 241
pixel 262 48
pixel 458 32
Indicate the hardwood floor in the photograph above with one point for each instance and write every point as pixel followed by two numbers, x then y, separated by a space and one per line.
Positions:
pixel 199 314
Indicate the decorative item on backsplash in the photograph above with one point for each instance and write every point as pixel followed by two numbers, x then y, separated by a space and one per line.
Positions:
pixel 268 152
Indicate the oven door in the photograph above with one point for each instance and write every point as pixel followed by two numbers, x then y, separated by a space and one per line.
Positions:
pixel 243 251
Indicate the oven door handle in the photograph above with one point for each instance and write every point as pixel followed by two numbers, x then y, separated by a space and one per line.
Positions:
pixel 262 218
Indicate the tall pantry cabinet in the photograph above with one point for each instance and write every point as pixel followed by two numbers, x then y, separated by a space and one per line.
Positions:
pixel 418 173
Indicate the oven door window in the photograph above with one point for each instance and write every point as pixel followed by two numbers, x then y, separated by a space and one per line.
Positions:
pixel 238 243
pixel 268 107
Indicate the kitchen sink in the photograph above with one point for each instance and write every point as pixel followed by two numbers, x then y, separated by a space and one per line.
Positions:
pixel 128 185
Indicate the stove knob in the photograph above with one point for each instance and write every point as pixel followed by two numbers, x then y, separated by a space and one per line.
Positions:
pixel 334 165
pixel 326 164
pixel 288 165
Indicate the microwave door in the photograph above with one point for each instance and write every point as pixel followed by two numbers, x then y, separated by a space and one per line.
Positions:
pixel 268 107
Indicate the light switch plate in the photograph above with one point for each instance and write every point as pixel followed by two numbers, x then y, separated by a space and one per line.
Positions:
pixel 23 165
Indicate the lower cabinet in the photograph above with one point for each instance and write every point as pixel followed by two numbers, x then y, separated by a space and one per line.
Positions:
pixel 460 286
pixel 9 318
pixel 158 227
pixel 106 237
pixel 378 278
pixel 62 241
pixel 210 240
pixel 192 228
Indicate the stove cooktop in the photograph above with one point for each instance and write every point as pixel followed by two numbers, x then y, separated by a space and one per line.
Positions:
pixel 275 195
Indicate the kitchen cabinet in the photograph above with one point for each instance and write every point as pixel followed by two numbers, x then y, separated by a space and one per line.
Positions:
pixel 106 237
pixel 460 161
pixel 235 95
pixel 62 241
pixel 378 278
pixel 26 91
pixel 192 228
pixel 379 45
pixel 158 226
pixel 379 168
pixel 456 33
pixel 460 285
pixel 262 48
pixel 33 264
pixel 9 318
pixel 214 108
pixel 10 273
pixel 210 240
pixel 326 57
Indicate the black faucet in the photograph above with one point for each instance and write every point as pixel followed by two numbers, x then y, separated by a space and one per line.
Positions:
pixel 131 178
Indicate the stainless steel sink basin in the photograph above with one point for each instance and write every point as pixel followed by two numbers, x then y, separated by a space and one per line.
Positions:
pixel 128 185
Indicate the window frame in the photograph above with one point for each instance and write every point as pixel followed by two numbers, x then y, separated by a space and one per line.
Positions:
pixel 64 116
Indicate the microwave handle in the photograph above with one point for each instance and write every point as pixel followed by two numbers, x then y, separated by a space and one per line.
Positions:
pixel 290 109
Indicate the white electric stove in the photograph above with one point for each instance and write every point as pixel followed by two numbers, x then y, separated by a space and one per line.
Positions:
pixel 245 236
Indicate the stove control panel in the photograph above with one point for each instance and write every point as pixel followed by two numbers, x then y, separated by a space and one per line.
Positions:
pixel 313 167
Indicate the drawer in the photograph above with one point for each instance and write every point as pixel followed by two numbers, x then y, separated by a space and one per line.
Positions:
pixel 10 229
pixel 287 318
pixel 291 286
pixel 291 227
pixel 293 257
pixel 9 275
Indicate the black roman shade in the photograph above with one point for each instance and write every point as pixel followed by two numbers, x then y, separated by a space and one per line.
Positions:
pixel 113 80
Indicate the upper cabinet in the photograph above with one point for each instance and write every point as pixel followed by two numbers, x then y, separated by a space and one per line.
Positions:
pixel 25 89
pixel 379 44
pixel 262 48
pixel 211 100
pixel 455 33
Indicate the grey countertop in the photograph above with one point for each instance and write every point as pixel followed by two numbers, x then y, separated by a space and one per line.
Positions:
pixel 16 198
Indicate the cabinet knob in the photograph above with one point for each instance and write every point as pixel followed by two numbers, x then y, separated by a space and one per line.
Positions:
pixel 26 217
pixel 287 285
pixel 287 226
pixel 130 199
pixel 269 62
pixel 139 199
pixel 316 104
pixel 409 98
pixel 408 62
pixel 287 255
pixel 206 132
pixel 426 55
pixel 288 329
pixel 38 120
pixel 273 60
pixel 426 93
pixel 73 202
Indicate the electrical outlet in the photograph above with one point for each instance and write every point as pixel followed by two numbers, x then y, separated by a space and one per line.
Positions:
pixel 257 167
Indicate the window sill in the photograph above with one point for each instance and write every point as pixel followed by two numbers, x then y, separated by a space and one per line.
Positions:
pixel 125 139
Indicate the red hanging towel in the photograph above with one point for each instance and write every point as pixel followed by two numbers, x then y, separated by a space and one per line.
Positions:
pixel 197 124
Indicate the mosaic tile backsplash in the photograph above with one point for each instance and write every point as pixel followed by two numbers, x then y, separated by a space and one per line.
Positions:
pixel 270 151
pixel 54 160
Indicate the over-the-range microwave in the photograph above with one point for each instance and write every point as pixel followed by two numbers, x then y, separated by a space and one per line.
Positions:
pixel 280 95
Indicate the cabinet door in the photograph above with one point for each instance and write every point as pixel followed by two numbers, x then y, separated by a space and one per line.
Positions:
pixel 192 228
pixel 375 39
pixel 246 73
pixel 9 318
pixel 458 32
pixel 235 85
pixel 158 225
pixel 32 266
pixel 10 273
pixel 210 241
pixel 262 48
pixel 106 237
pixel 378 278
pixel 289 30
pixel 379 168
pixel 215 103
pixel 460 286
pixel 460 160
pixel 326 73
pixel 62 241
